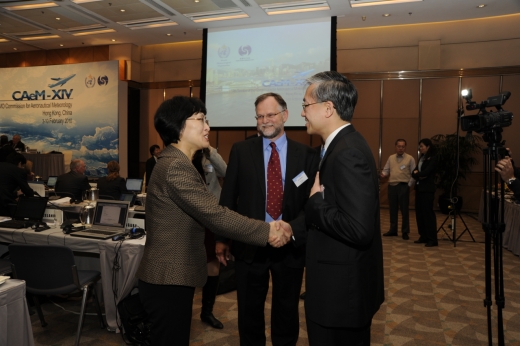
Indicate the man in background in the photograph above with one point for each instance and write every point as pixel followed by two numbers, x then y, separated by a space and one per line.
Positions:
pixel 5 148
pixel 13 182
pixel 344 262
pixel 16 143
pixel 74 183
pixel 155 150
pixel 269 178
pixel 399 167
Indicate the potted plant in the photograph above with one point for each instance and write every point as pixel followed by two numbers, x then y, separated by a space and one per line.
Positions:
pixel 447 175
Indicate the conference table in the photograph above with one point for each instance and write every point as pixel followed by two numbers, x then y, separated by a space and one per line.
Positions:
pixel 511 235
pixel 15 322
pixel 129 254
pixel 46 165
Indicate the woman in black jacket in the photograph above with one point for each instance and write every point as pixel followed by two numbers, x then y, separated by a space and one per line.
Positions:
pixel 424 175
pixel 112 185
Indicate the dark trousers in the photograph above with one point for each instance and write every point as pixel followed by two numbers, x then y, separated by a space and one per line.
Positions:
pixel 425 216
pixel 169 311
pixel 252 286
pixel 327 336
pixel 399 198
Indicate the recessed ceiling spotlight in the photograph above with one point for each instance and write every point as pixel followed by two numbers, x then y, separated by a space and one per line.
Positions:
pixel 386 15
pixel 61 45
pixel 58 18
pixel 168 34
pixel 15 48
pixel 122 10
pixel 481 6
pixel 113 40
pixel 196 0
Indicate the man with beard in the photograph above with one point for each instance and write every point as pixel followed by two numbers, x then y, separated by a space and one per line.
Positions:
pixel 267 178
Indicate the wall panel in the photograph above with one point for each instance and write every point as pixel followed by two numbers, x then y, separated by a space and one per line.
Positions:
pixel 57 56
pixel 512 133
pixel 440 99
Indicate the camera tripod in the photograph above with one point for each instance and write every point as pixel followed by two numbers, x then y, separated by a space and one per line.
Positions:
pixel 453 214
pixel 494 227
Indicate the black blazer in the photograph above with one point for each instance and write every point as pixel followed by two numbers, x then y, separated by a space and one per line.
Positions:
pixel 20 146
pixel 112 188
pixel 425 179
pixel 150 164
pixel 72 183
pixel 244 191
pixel 344 262
pixel 11 179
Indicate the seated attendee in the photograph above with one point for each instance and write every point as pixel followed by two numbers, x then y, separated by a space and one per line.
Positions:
pixel 73 183
pixel 5 148
pixel 13 182
pixel 112 185
pixel 155 150
pixel 16 143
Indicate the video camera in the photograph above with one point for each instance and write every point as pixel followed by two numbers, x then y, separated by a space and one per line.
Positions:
pixel 485 121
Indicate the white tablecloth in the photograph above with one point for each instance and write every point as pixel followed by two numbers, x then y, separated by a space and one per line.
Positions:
pixel 15 322
pixel 130 255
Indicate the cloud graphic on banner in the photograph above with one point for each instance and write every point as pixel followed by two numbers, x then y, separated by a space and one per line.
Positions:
pixel 24 119
pixel 103 138
pixel 100 155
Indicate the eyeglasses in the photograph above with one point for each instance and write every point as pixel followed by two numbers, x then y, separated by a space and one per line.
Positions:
pixel 305 105
pixel 203 120
pixel 268 116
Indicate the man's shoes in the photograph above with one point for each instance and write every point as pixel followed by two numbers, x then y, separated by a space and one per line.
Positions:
pixel 390 234
pixel 302 296
pixel 405 236
pixel 211 320
pixel 431 244
pixel 420 241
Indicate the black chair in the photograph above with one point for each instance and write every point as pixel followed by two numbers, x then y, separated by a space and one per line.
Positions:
pixel 5 267
pixel 51 270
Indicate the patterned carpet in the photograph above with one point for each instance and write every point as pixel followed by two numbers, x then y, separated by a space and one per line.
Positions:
pixel 434 296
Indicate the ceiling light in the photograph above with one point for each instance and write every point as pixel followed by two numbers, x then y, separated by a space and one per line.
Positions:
pixel 15 48
pixel 148 23
pixel 30 7
pixel 33 38
pixel 201 17
pixel 92 32
pixel 58 18
pixel 122 10
pixel 360 3
pixel 113 40
pixel 84 1
pixel 168 34
pixel 196 0
pixel 3 40
pixel 481 6
pixel 386 15
pixel 61 45
pixel 295 7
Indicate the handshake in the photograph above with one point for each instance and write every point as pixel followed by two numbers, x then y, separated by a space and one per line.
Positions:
pixel 280 233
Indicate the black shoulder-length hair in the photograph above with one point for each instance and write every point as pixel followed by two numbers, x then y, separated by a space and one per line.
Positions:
pixel 171 116
pixel 431 148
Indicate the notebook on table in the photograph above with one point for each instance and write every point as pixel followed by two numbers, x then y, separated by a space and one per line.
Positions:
pixel 109 220
pixel 29 210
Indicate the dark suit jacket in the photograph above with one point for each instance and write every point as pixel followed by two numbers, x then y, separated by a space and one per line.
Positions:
pixel 150 164
pixel 73 183
pixel 5 151
pixel 178 209
pixel 345 280
pixel 112 188
pixel 244 191
pixel 11 179
pixel 20 146
pixel 425 179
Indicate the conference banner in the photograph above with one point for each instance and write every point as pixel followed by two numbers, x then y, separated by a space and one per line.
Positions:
pixel 64 108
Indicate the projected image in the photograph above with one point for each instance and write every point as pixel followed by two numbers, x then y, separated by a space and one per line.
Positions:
pixel 244 63
pixel 64 108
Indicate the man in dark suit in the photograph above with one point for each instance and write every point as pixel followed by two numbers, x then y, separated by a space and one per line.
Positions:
pixel 74 182
pixel 267 178
pixel 13 179
pixel 5 148
pixel 344 275
pixel 155 150
pixel 16 143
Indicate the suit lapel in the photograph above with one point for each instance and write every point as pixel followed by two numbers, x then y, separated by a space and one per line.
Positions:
pixel 343 132
pixel 291 167
pixel 257 155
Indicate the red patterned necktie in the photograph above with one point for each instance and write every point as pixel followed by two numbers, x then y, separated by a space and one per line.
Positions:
pixel 274 184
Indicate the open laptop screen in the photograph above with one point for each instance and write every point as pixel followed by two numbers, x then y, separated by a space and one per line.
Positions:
pixel 30 208
pixel 111 213
pixel 130 197
pixel 134 185
pixel 51 182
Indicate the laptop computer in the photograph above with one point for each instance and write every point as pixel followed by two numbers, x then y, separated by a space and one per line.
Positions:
pixel 39 189
pixel 134 185
pixel 51 182
pixel 109 220
pixel 130 197
pixel 29 210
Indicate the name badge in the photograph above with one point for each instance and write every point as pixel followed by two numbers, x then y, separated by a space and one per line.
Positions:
pixel 402 167
pixel 300 179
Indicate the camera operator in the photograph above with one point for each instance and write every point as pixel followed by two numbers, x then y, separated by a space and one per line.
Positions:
pixel 509 174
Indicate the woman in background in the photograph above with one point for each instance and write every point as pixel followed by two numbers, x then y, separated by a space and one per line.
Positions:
pixel 424 175
pixel 210 166
pixel 112 185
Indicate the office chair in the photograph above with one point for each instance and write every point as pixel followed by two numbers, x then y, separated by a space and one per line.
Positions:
pixel 5 267
pixel 51 270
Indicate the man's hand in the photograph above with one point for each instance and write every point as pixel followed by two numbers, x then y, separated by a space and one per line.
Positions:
pixel 278 236
pixel 505 168
pixel 316 187
pixel 222 252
